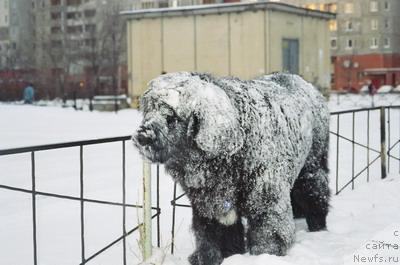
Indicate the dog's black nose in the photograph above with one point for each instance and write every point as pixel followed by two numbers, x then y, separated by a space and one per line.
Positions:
pixel 143 139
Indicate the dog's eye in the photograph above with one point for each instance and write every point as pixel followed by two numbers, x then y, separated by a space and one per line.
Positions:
pixel 171 119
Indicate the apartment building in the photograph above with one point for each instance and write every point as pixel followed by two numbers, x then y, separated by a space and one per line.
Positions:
pixel 80 45
pixel 365 41
pixel 16 38
pixel 67 45
pixel 366 44
pixel 4 20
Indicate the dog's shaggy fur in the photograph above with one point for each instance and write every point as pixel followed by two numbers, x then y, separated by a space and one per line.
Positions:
pixel 240 149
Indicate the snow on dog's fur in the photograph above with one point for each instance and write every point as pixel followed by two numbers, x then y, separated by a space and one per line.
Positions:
pixel 240 149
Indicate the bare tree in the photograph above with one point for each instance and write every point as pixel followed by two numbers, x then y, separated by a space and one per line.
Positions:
pixel 89 42
pixel 105 50
pixel 16 67
pixel 54 65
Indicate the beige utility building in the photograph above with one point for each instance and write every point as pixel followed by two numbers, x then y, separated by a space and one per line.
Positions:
pixel 242 39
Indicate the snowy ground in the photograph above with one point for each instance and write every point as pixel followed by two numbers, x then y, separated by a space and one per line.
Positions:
pixel 371 211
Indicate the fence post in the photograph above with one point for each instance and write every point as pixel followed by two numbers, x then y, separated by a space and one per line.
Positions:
pixel 91 103
pixel 383 143
pixel 146 240
pixel 74 97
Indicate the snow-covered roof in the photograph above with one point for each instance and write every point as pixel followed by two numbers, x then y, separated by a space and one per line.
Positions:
pixel 382 70
pixel 225 8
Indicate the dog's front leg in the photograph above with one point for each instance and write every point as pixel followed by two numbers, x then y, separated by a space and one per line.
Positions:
pixel 273 230
pixel 207 250
pixel 215 241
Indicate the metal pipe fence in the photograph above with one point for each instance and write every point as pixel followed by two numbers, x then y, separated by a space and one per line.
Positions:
pixel 85 259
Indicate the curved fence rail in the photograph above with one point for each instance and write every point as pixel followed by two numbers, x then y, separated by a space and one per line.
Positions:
pixel 34 192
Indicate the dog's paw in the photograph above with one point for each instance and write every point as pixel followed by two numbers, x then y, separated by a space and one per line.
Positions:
pixel 206 257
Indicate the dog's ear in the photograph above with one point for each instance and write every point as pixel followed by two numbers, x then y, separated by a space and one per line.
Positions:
pixel 214 125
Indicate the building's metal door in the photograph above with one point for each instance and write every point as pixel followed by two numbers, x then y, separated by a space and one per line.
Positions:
pixel 290 55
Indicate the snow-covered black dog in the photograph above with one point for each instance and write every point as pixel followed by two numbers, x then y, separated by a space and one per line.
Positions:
pixel 254 150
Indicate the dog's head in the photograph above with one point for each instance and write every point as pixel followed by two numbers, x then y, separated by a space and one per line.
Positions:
pixel 182 111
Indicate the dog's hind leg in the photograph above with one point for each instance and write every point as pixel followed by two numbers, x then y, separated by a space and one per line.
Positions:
pixel 215 241
pixel 297 208
pixel 310 195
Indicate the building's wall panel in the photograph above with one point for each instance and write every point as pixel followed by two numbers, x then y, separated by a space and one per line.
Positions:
pixel 146 53
pixel 311 56
pixel 316 51
pixel 212 44
pixel 325 60
pixel 178 44
pixel 247 44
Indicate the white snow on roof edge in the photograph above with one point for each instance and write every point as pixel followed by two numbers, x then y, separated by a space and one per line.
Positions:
pixel 228 7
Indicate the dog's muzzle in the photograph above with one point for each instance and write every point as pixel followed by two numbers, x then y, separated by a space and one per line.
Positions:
pixel 144 136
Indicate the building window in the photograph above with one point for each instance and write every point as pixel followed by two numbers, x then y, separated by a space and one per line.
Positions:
pixel 349 8
pixel 374 24
pixel 147 5
pixel 163 4
pixel 387 23
pixel 55 15
pixel 73 15
pixel 73 2
pixel 90 13
pixel 55 2
pixel 6 4
pixel 75 29
pixel 4 33
pixel 334 43
pixel 56 44
pixel 386 6
pixel 373 6
pixel 349 44
pixel 55 30
pixel 386 42
pixel 74 44
pixel 90 28
pixel 6 19
pixel 360 75
pixel 90 42
pixel 312 6
pixel 333 25
pixel 374 43
pixel 349 26
pixel 332 8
